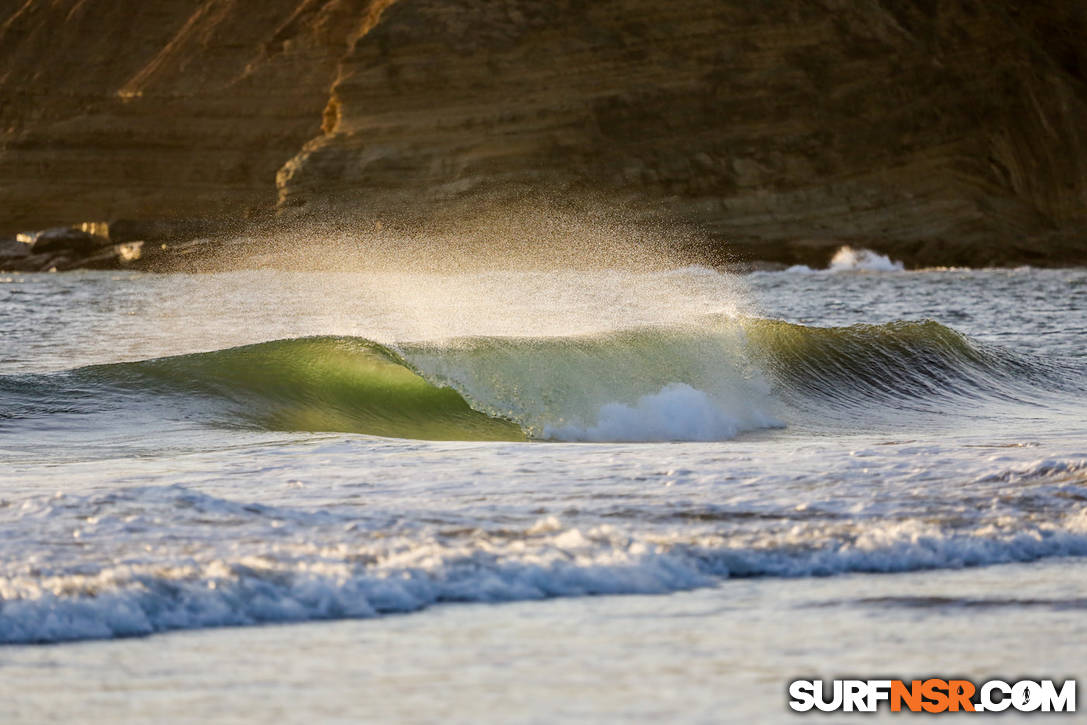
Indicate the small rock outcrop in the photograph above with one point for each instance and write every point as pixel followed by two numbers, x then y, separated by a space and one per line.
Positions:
pixel 75 242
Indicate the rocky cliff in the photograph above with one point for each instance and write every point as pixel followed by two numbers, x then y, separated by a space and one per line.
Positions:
pixel 941 132
pixel 122 108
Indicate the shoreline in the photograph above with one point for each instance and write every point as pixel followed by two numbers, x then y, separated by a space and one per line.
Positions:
pixel 506 643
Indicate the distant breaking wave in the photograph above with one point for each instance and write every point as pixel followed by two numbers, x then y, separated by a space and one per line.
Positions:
pixel 848 259
pixel 711 381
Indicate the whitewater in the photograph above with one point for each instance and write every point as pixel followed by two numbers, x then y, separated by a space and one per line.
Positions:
pixel 778 462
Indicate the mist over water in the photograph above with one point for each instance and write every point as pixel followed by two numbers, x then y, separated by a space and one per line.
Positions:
pixel 247 447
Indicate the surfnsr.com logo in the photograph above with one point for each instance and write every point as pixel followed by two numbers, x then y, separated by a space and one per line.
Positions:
pixel 932 695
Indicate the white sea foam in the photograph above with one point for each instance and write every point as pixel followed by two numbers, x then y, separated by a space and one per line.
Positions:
pixel 286 584
pixel 677 412
pixel 848 259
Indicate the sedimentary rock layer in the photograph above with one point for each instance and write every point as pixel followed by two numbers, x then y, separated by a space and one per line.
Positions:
pixel 944 133
pixel 126 108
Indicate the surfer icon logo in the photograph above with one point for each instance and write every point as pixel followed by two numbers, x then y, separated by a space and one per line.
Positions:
pixel 1026 696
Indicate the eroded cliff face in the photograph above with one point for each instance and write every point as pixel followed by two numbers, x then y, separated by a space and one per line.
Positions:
pixel 160 109
pixel 944 133
pixel 930 129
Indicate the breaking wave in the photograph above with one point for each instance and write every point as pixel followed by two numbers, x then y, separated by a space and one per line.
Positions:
pixel 848 259
pixel 710 381
pixel 335 570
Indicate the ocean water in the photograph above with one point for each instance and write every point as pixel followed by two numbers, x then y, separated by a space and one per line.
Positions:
pixel 438 480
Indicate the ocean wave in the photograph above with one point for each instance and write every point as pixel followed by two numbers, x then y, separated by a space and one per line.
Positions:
pixel 901 369
pixel 390 573
pixel 711 380
pixel 848 259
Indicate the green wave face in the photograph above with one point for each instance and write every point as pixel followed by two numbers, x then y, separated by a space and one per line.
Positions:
pixel 314 384
pixel 910 359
